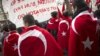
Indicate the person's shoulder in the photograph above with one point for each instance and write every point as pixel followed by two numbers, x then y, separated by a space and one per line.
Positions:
pixel 14 35
pixel 83 18
pixel 41 29
pixel 84 15
pixel 80 22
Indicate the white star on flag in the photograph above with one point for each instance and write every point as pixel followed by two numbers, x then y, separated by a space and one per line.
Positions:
pixel 15 47
pixel 63 33
pixel 87 43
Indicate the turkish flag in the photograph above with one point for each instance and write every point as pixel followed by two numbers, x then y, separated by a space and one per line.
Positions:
pixel 83 40
pixel 10 44
pixel 59 13
pixel 63 7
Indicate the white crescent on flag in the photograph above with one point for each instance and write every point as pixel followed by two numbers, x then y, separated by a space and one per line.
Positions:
pixel 83 13
pixel 36 33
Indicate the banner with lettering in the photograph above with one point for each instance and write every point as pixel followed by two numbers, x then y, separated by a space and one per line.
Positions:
pixel 40 9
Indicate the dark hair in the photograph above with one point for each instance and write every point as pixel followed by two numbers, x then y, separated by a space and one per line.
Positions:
pixel 20 30
pixel 65 13
pixel 5 28
pixel 12 27
pixel 79 3
pixel 97 14
pixel 98 6
pixel 81 6
pixel 54 14
pixel 37 23
pixel 29 19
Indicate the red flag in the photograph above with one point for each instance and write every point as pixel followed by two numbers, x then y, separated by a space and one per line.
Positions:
pixel 63 7
pixel 59 13
pixel 10 43
pixel 83 44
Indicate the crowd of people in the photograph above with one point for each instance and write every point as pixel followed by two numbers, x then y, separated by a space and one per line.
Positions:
pixel 76 35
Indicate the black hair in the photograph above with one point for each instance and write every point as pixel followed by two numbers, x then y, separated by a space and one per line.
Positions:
pixel 29 19
pixel 81 6
pixel 97 14
pixel 20 30
pixel 12 26
pixel 37 23
pixel 54 14
pixel 5 28
pixel 98 6
pixel 79 3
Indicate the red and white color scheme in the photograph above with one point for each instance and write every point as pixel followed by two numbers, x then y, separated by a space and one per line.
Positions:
pixel 83 40
pixel 10 47
pixel 97 2
pixel 19 8
pixel 40 9
pixel 63 32
pixel 53 24
pixel 38 42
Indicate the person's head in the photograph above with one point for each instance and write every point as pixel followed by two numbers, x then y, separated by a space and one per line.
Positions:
pixel 98 6
pixel 28 20
pixel 20 30
pixel 54 14
pixel 12 27
pixel 37 23
pixel 97 14
pixel 78 4
pixel 5 28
